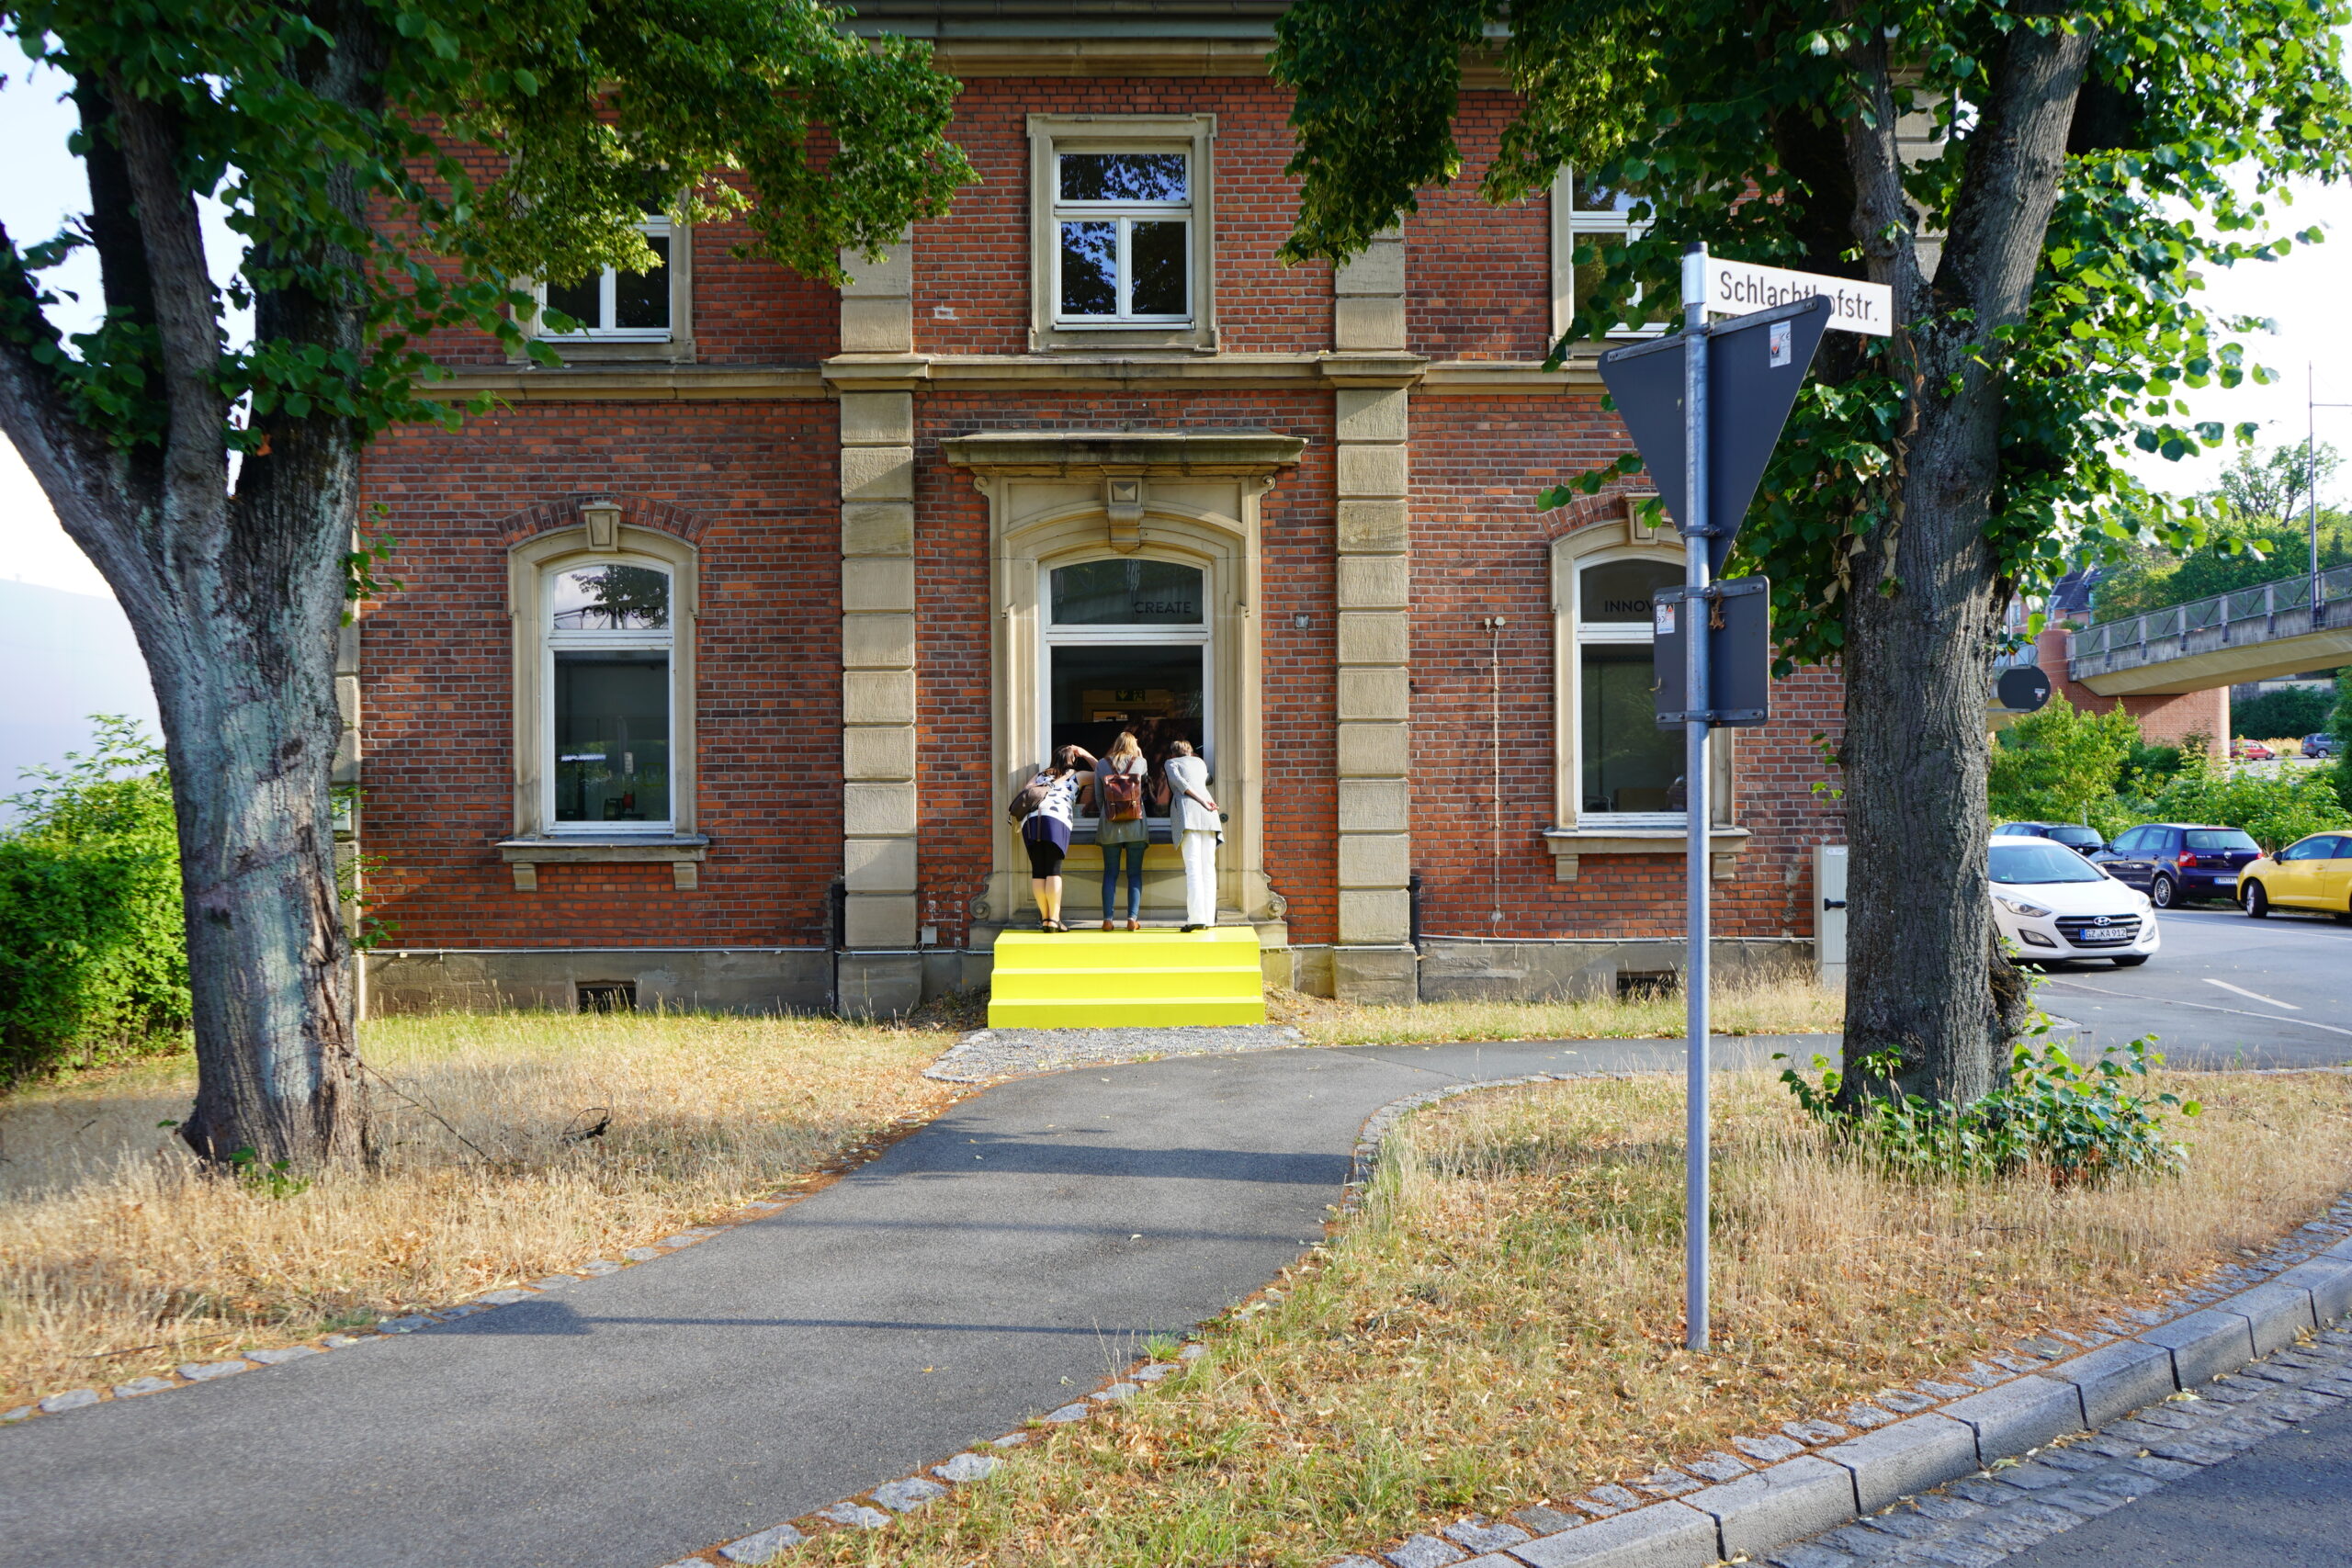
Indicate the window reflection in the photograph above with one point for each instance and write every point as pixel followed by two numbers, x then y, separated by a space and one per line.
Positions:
pixel 610 599
pixel 612 735
pixel 1123 176
pixel 1126 592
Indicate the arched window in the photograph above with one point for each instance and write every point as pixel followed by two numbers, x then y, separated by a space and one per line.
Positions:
pixel 607 633
pixel 1626 767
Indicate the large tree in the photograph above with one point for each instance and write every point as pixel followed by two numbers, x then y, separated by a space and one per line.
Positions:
pixel 392 166
pixel 2086 161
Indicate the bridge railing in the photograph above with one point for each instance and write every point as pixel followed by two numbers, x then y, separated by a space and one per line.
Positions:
pixel 2304 602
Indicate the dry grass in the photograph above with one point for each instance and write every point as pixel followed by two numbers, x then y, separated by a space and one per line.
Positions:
pixel 1501 1327
pixel 117 1258
pixel 1790 1003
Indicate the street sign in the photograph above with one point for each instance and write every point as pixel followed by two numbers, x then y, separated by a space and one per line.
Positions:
pixel 1738 618
pixel 1754 365
pixel 2023 688
pixel 1736 289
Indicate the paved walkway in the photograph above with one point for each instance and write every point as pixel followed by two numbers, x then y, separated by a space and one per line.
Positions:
pixel 976 1274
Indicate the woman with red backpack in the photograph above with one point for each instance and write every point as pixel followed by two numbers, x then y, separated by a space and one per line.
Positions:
pixel 1121 781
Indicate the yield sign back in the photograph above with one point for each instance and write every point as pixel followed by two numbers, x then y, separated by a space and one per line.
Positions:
pixel 1754 364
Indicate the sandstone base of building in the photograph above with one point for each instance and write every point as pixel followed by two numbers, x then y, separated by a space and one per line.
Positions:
pixel 763 979
pixel 1505 970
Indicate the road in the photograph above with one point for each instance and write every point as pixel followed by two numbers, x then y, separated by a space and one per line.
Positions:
pixel 2223 989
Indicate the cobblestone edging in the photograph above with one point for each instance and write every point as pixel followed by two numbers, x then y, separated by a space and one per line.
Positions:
pixel 187 1374
pixel 986 1054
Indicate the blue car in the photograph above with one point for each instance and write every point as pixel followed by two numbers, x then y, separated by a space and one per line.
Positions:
pixel 2173 860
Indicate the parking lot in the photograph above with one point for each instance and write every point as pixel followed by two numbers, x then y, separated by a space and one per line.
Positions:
pixel 2223 990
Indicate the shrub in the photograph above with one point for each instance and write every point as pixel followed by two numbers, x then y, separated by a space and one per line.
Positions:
pixel 93 961
pixel 2058 763
pixel 2083 1125
pixel 2297 711
pixel 2275 807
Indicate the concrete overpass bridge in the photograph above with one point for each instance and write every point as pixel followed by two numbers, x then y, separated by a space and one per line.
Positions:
pixel 2254 634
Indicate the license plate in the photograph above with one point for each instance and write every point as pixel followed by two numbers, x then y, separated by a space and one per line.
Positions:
pixel 2230 880
pixel 2094 934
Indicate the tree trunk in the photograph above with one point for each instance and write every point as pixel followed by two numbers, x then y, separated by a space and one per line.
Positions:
pixel 1924 608
pixel 236 599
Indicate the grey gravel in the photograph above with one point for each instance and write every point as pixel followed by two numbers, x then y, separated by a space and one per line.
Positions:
pixel 204 1372
pixel 642 1254
pixel 72 1399
pixel 857 1514
pixel 502 1298
pixel 986 1053
pixel 1604 1501
pixel 1078 1411
pixel 1814 1431
pixel 279 1357
pixel 967 1467
pixel 1424 1551
pixel 761 1547
pixel 1718 1467
pixel 1768 1448
pixel 18 1413
pixel 137 1386
pixel 1667 1482
pixel 402 1324
pixel 1119 1390
pixel 906 1496
pixel 1867 1416
pixel 599 1267
pixel 1483 1535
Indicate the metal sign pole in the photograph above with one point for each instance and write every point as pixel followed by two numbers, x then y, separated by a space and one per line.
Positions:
pixel 1696 693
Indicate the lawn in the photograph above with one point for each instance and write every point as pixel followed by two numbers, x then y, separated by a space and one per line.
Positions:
pixel 1500 1325
pixel 119 1259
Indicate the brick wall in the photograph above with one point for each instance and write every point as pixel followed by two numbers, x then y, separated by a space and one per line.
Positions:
pixel 972 267
pixel 1480 552
pixel 754 484
pixel 2163 720
pixel 1479 279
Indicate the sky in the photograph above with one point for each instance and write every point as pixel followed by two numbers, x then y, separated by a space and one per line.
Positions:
pixel 2304 293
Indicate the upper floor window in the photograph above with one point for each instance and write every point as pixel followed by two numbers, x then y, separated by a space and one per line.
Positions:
pixel 1121 247
pixel 622 306
pixel 1588 221
pixel 1122 225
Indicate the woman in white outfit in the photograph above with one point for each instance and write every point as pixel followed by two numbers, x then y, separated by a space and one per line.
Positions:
pixel 1198 833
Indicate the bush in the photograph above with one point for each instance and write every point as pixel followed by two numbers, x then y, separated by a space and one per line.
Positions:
pixel 2296 712
pixel 93 959
pixel 2061 762
pixel 2084 1126
pixel 2275 807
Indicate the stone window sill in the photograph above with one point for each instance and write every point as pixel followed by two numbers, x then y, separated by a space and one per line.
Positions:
pixel 1568 845
pixel 682 852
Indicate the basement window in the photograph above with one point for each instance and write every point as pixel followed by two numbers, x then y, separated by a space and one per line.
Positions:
pixel 607 996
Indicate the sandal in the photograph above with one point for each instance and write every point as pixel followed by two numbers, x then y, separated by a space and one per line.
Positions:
pixel 1052 926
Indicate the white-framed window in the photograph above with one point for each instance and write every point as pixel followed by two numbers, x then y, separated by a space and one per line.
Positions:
pixel 1127 645
pixel 1122 246
pixel 623 307
pixel 608 727
pixel 1123 222
pixel 1623 769
pixel 1587 215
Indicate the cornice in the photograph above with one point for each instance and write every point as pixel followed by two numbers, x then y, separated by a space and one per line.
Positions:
pixel 1020 373
pixel 1068 453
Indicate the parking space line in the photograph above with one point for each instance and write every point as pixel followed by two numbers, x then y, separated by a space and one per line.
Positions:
pixel 2258 996
pixel 2201 1007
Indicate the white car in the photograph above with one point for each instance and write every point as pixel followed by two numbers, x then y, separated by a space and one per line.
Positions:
pixel 2051 903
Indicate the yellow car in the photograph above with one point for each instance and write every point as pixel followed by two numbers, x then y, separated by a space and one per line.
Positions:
pixel 2310 874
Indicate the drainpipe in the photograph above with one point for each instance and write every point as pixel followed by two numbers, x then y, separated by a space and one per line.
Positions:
pixel 836 938
pixel 1413 908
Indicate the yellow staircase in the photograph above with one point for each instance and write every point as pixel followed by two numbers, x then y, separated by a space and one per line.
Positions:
pixel 1096 979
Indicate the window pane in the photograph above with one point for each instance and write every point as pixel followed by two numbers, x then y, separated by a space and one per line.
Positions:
pixel 1123 176
pixel 1157 252
pixel 1154 692
pixel 1090 269
pixel 1619 591
pixel 2041 863
pixel 612 736
pixel 1586 196
pixel 1126 594
pixel 1630 764
pixel 582 301
pixel 610 599
pixel 2223 839
pixel 642 299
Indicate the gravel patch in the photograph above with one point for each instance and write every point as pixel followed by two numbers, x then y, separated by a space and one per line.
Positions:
pixel 988 1053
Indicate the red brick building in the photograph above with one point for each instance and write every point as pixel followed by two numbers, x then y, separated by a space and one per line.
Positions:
pixel 722 646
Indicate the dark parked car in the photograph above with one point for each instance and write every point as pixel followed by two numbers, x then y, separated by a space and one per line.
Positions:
pixel 2074 835
pixel 2172 860
pixel 2319 745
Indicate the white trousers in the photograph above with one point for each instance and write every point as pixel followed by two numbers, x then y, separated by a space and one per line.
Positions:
pixel 1199 850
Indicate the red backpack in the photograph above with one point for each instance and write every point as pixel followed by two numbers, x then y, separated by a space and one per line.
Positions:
pixel 1122 794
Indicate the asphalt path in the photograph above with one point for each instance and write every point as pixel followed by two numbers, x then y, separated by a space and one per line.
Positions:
pixel 992 1266
pixel 2287 1500
pixel 2223 989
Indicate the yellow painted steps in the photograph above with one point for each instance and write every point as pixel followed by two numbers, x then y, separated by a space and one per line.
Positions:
pixel 1098 979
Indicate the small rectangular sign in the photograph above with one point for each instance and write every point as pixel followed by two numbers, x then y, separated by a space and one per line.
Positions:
pixel 1737 617
pixel 1734 288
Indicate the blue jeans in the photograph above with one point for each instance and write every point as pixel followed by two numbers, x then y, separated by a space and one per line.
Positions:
pixel 1111 854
